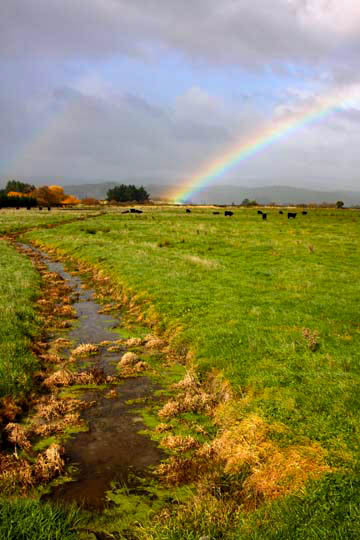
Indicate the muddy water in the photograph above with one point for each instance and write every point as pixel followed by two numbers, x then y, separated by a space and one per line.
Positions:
pixel 112 450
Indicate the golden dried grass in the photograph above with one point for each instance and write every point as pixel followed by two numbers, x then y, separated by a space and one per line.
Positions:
pixel 85 349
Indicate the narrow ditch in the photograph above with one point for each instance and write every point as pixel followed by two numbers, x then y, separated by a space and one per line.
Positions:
pixel 112 452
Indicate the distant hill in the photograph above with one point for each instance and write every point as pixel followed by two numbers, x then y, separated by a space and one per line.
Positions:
pixel 277 194
pixel 217 194
pixel 230 194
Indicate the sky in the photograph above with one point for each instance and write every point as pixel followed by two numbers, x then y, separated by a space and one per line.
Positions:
pixel 116 90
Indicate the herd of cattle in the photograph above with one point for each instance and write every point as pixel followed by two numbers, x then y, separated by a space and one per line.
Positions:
pixel 229 213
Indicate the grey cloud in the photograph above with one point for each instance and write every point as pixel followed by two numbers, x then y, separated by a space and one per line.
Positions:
pixel 243 33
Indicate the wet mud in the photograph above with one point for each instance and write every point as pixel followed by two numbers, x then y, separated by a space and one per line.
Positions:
pixel 112 451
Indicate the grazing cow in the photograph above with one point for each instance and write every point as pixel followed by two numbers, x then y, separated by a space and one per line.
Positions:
pixel 40 207
pixel 135 211
pixel 304 213
pixel 216 213
pixel 291 215
pixel 49 208
pixel 126 212
pixel 264 216
pixel 188 211
pixel 228 213
pixel 259 212
pixel 281 212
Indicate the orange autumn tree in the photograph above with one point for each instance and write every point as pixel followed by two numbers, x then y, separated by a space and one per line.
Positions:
pixel 70 199
pixel 53 196
pixel 17 194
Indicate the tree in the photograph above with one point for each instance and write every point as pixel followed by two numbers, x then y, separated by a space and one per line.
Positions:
pixel 340 204
pixel 247 202
pixel 20 187
pixel 16 202
pixel 70 199
pixel 46 197
pixel 127 193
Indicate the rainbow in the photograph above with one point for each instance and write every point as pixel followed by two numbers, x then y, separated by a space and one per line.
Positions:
pixel 243 150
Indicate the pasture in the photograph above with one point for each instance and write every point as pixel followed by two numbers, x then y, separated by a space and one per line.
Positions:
pixel 272 306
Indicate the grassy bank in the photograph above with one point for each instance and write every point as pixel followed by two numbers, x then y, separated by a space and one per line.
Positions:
pixel 19 287
pixel 27 520
pixel 19 324
pixel 273 305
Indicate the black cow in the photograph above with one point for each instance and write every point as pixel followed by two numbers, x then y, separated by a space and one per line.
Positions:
pixel 216 213
pixel 188 211
pixel 281 212
pixel 135 211
pixel 49 208
pixel 292 215
pixel 259 212
pixel 304 213
pixel 264 216
pixel 40 207
pixel 228 213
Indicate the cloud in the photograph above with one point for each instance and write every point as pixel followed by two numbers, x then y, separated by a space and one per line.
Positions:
pixel 250 34
pixel 106 89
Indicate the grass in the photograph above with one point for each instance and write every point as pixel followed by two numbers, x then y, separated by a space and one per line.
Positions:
pixel 19 220
pixel 272 305
pixel 244 308
pixel 27 519
pixel 19 288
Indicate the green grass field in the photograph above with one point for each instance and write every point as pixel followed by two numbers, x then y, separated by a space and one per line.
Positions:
pixel 243 291
pixel 274 306
pixel 19 220
pixel 19 288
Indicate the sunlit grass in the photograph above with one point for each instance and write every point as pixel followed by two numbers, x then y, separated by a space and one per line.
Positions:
pixel 273 305
pixel 19 287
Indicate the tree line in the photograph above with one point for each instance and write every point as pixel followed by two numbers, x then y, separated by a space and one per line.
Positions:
pixel 128 193
pixel 20 194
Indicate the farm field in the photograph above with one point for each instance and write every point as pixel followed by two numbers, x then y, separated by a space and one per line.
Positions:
pixel 270 306
pixel 273 305
pixel 18 220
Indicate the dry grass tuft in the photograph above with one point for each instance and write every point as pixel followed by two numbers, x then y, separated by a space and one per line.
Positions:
pixel 85 349
pixel 17 435
pixel 49 464
pixel 178 443
pixel 133 342
pixel 9 408
pixel 191 398
pixel 115 348
pixel 65 311
pixel 129 359
pixel 312 338
pixel 62 377
pixel 154 343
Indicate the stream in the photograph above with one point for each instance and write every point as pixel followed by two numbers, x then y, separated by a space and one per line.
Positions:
pixel 112 451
